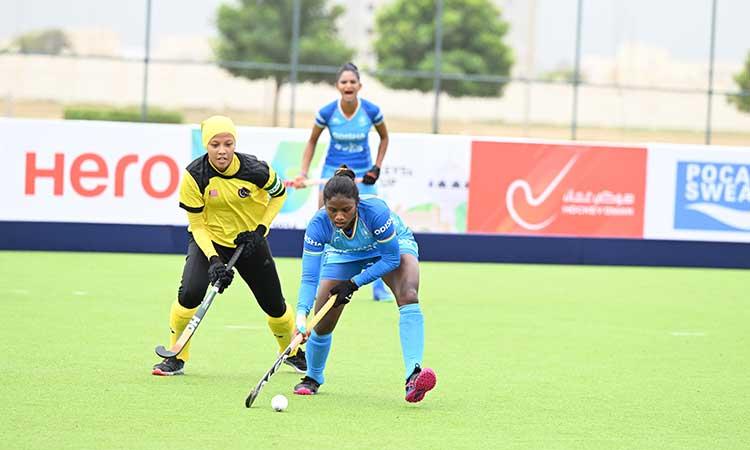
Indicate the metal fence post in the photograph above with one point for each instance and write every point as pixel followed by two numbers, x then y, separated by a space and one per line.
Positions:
pixel 576 72
pixel 294 60
pixel 146 56
pixel 438 63
pixel 530 48
pixel 711 73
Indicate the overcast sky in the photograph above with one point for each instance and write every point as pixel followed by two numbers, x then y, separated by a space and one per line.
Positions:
pixel 680 26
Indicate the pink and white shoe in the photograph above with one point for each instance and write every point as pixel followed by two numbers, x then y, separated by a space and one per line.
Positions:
pixel 308 386
pixel 419 383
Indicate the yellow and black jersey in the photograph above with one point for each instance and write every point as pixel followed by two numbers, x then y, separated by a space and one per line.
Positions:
pixel 247 194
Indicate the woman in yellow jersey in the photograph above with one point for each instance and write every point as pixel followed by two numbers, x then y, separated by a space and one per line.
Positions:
pixel 230 198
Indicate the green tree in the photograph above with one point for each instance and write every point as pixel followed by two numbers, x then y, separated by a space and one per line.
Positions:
pixel 50 42
pixel 743 81
pixel 473 32
pixel 261 31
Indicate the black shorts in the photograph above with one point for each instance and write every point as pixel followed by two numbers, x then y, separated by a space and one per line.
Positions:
pixel 258 270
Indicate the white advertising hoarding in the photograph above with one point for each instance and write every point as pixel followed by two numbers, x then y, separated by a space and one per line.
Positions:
pixel 698 193
pixel 425 180
pixel 129 173
pixel 95 172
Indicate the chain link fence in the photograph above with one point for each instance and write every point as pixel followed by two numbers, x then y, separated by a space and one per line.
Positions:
pixel 120 54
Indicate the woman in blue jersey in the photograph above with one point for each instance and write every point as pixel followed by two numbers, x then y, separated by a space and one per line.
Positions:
pixel 358 241
pixel 349 120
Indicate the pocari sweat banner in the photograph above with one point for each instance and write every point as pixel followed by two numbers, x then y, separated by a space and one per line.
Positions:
pixel 712 196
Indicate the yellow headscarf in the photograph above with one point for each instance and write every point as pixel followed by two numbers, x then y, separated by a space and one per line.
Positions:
pixel 216 125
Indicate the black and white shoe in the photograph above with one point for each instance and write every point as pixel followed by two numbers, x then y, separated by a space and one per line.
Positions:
pixel 297 362
pixel 168 367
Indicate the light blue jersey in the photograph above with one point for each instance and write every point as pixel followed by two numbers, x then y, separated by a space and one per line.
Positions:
pixel 378 239
pixel 349 136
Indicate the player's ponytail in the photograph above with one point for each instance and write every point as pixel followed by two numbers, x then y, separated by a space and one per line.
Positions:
pixel 341 183
pixel 344 171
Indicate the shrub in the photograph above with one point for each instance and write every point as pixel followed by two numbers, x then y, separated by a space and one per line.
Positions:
pixel 129 114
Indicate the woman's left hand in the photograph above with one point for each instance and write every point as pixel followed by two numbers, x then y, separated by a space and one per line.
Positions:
pixel 344 292
pixel 251 239
pixel 372 175
pixel 299 182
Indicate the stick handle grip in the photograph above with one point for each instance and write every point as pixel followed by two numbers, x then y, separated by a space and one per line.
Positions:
pixel 323 311
pixel 297 341
pixel 235 256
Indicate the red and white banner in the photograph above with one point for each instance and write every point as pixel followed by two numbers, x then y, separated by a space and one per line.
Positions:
pixel 96 172
pixel 557 189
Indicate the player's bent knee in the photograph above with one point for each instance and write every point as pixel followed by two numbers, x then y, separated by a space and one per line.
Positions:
pixel 324 329
pixel 189 298
pixel 407 297
pixel 274 308
pixel 326 325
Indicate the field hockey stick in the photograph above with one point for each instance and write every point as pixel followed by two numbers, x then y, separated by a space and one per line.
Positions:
pixel 313 182
pixel 289 349
pixel 189 330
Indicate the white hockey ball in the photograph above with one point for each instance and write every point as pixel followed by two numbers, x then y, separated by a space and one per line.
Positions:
pixel 279 403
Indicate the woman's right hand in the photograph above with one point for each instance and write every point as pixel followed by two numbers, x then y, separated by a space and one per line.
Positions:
pixel 301 326
pixel 218 273
pixel 299 182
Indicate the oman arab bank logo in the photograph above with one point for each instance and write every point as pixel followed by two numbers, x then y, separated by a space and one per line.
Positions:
pixel 712 196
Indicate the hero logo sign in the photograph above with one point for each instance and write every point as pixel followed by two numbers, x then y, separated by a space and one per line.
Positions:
pixel 97 169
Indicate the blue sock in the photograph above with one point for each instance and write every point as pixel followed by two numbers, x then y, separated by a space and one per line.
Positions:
pixel 411 331
pixel 316 355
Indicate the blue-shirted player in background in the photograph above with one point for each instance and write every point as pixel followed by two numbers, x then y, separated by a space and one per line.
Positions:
pixel 359 240
pixel 349 120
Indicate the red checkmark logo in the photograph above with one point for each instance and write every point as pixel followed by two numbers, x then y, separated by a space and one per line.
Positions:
pixel 556 189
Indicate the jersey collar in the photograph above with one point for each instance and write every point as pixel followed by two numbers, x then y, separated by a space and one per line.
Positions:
pixel 341 110
pixel 233 168
pixel 354 228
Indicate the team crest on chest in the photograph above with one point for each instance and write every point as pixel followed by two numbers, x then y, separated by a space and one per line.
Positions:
pixel 243 192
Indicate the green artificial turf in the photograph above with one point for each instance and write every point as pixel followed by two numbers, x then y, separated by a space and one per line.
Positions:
pixel 527 357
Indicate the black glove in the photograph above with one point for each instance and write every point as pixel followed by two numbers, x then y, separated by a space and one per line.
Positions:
pixel 345 290
pixel 372 175
pixel 251 239
pixel 218 273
